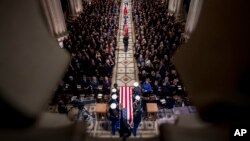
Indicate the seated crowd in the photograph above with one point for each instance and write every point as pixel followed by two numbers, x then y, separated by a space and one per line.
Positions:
pixel 92 43
pixel 157 38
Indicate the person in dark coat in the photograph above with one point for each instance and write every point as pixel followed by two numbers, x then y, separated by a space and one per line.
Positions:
pixel 137 121
pixel 137 89
pixel 94 85
pixel 72 88
pixel 170 102
pixel 107 68
pixel 62 107
pixel 116 87
pixel 125 130
pixel 113 117
pixel 125 42
pixel 106 85
pixel 86 85
pixel 156 87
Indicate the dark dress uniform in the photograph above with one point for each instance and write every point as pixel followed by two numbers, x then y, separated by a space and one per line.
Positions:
pixel 137 116
pixel 125 130
pixel 125 42
pixel 114 118
pixel 137 121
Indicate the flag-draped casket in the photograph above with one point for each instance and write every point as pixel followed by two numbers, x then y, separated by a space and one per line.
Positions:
pixel 126 103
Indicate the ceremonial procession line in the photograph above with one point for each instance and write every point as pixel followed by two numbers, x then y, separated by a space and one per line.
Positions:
pixel 125 72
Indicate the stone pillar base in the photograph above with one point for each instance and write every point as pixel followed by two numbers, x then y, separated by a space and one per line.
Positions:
pixel 73 17
pixel 60 38
pixel 179 18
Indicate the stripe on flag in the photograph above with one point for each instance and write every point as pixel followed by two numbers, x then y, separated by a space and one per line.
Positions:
pixel 126 103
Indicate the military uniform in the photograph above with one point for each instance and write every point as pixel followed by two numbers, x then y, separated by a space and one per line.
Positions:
pixel 114 118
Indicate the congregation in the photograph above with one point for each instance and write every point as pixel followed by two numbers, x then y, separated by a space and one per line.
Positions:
pixel 92 43
pixel 157 37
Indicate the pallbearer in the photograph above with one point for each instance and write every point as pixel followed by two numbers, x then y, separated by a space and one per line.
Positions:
pixel 137 89
pixel 114 96
pixel 137 114
pixel 113 116
pixel 125 129
pixel 117 88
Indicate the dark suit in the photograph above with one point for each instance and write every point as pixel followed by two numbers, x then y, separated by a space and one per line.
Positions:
pixel 137 121
pixel 95 85
pixel 106 87
pixel 113 117
pixel 62 108
pixel 124 128
pixel 125 42
pixel 72 89
pixel 107 70
pixel 86 86
pixel 170 102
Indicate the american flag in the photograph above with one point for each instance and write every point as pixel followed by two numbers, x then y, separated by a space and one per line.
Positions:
pixel 126 103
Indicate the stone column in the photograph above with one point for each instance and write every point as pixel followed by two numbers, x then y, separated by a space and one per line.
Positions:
pixel 164 1
pixel 172 6
pixel 179 10
pixel 55 18
pixel 193 16
pixel 75 7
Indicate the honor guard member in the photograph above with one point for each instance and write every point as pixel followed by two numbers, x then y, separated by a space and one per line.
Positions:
pixel 113 116
pixel 137 89
pixel 137 114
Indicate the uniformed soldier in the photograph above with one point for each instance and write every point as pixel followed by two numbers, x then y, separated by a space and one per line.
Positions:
pixel 117 88
pixel 137 89
pixel 137 114
pixel 113 116
pixel 114 97
pixel 136 121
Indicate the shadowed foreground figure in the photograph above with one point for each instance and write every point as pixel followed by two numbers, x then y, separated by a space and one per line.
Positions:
pixel 124 130
pixel 137 121
pixel 114 118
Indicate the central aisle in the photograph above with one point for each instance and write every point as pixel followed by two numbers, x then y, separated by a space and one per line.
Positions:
pixel 125 72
